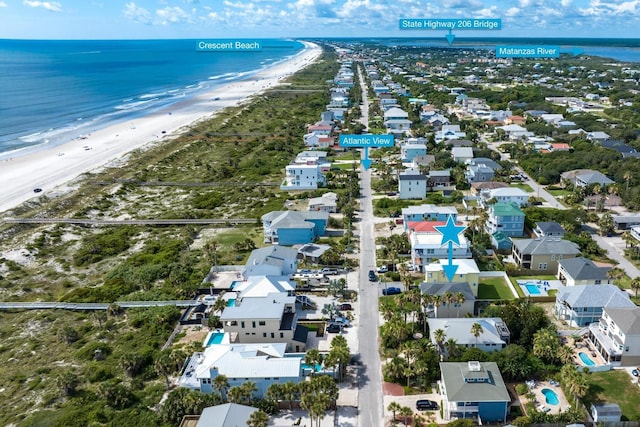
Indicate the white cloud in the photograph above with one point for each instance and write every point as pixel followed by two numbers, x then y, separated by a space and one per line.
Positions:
pixel 512 11
pixel 566 3
pixel 172 15
pixel 137 14
pixel 53 6
pixel 3 4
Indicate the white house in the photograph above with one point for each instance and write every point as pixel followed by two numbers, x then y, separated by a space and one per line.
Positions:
pixel 494 336
pixel 396 119
pixel 505 194
pixel 616 336
pixel 274 260
pixel 462 154
pixel 426 244
pixel 302 177
pixel 260 363
pixel 328 202
pixel 449 132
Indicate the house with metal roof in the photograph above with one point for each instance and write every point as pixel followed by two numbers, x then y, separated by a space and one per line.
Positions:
pixel 462 154
pixel 494 337
pixel 501 241
pixel 454 308
pixel 294 227
pixel 616 336
pixel 505 195
pixel 505 217
pixel 548 229
pixel 225 415
pixel 473 390
pixel 265 319
pixel 582 305
pixel 543 254
pixel 582 271
pixel 467 271
pixel 328 202
pixel 260 363
pixel 478 173
pixel 428 212
pixel 585 177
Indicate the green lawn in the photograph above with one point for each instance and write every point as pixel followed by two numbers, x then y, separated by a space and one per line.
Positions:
pixel 615 387
pixel 524 187
pixel 558 193
pixel 494 288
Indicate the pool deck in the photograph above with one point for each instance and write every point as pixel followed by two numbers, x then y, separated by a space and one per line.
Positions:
pixel 542 284
pixel 586 346
pixel 541 402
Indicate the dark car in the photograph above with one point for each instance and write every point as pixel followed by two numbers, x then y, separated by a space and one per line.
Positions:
pixel 634 372
pixel 345 307
pixel 392 290
pixel 426 405
pixel 372 276
pixel 334 328
pixel 37 190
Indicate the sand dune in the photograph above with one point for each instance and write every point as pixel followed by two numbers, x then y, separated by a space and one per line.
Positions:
pixel 50 168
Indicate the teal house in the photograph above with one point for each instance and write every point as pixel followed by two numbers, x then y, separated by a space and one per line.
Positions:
pixel 294 227
pixel 506 217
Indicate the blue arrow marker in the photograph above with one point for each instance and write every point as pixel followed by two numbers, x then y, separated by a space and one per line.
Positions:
pixel 450 37
pixel 450 269
pixel 366 163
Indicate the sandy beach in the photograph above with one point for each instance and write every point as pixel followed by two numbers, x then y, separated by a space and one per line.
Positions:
pixel 50 168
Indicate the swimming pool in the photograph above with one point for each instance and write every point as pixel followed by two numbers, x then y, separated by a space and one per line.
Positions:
pixel 550 396
pixel 233 284
pixel 586 359
pixel 231 302
pixel 533 289
pixel 214 338
pixel 316 368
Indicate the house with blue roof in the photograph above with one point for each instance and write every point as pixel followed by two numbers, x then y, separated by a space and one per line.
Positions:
pixel 582 305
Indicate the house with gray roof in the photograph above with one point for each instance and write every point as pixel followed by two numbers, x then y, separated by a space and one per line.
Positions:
pixel 473 390
pixel 548 229
pixel 294 227
pixel 478 173
pixel 543 254
pixel 412 184
pixel 582 271
pixel 455 308
pixel 582 305
pixel 274 260
pixel 585 177
pixel 225 415
pixel 616 336
pixel 494 337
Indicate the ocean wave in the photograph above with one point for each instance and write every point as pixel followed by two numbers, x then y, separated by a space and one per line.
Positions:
pixel 223 76
pixel 90 52
pixel 151 95
pixel 130 105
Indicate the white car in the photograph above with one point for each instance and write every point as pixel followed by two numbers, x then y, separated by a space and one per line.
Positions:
pixel 382 269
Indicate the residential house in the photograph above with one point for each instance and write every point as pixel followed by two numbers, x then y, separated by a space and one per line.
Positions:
pixel 548 229
pixel 426 244
pixel 274 260
pixel 225 415
pixel 423 161
pixel 312 252
pixel 328 202
pixel 303 177
pixel 428 212
pixel 617 336
pixel 462 154
pixel 598 136
pixel 409 151
pixel 501 242
pixel 261 363
pixel 543 254
pixel 582 271
pixel 478 187
pixel 320 129
pixel 314 140
pixel 265 319
pixel 487 162
pixel 582 305
pixel 516 120
pixel 505 195
pixel 449 132
pixel 294 227
pixel 494 337
pixel 473 390
pixel 454 308
pixel 505 217
pixel 627 222
pixel 478 173
pixel 585 177
pixel 621 147
pixel 467 271
pixel 261 286
pixel 438 179
pixel 412 184
pixel 459 143
pixel 396 119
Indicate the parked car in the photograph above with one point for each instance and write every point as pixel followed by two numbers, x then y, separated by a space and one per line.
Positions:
pixel 426 405
pixel 329 271
pixel 391 290
pixel 372 276
pixel 334 328
pixel 345 307
pixel 341 321
pixel 635 372
pixel 382 269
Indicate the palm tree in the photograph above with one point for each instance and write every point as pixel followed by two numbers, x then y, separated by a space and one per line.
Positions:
pixel 436 300
pixel 393 408
pixel 459 300
pixel 248 388
pixel 258 419
pixel 439 336
pixel 313 357
pixel 405 412
pixel 627 177
pixel 394 368
pixel 476 331
pixel 635 285
pixel 163 365
pixel 235 394
pixel 451 347
pixel 221 383
pixel 290 392
pixel 219 305
pixel 448 298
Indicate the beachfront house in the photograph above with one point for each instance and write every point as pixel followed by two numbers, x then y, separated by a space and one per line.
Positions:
pixel 303 177
pixel 274 260
pixel 505 217
pixel 616 336
pixel 294 227
pixel 328 202
pixel 225 415
pixel 582 305
pixel 261 363
pixel 265 319
pixel 494 337
pixel 473 390
pixel 543 254
pixel 582 271
pixel 412 185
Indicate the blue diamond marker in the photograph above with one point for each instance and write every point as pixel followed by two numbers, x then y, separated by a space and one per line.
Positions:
pixel 450 231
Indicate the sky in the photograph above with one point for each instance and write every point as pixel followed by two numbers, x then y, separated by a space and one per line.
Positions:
pixel 145 19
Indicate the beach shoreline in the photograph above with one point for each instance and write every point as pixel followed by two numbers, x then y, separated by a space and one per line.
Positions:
pixel 51 167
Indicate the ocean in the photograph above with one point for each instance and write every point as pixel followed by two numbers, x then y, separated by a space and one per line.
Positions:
pixel 51 91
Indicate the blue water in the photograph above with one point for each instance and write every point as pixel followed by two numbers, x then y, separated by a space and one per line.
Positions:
pixel 51 91
pixel 215 338
pixel 233 284
pixel 551 396
pixel 231 302
pixel 532 289
pixel 586 359
pixel 316 368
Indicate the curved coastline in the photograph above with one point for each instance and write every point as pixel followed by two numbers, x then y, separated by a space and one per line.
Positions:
pixel 52 167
